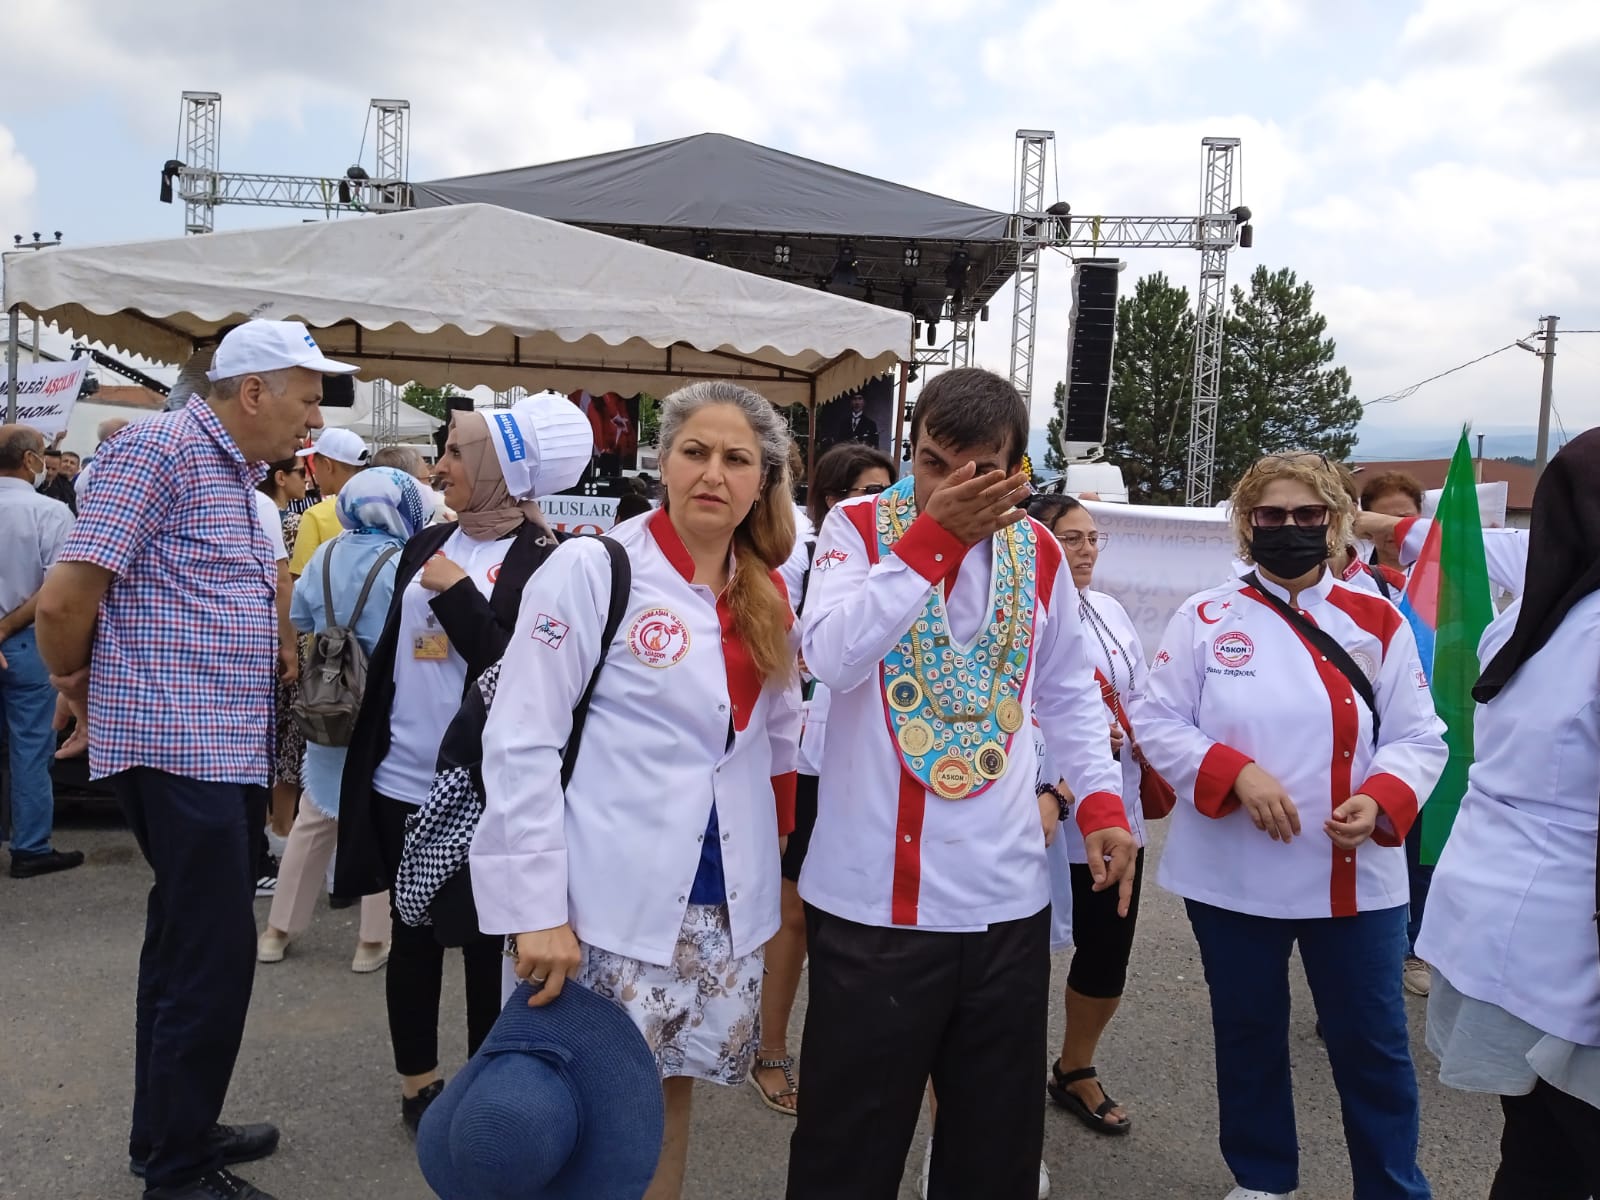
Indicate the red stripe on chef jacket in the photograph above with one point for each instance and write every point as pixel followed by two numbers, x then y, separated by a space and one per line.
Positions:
pixel 1346 736
pixel 744 680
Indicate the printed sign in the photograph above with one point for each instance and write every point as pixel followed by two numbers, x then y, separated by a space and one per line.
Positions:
pixel 46 393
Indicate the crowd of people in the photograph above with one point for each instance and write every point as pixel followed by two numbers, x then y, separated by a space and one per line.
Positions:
pixel 894 742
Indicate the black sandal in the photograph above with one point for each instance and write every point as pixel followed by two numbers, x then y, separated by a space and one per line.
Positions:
pixel 1096 1119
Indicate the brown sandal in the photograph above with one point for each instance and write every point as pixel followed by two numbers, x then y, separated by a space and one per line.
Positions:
pixel 771 1099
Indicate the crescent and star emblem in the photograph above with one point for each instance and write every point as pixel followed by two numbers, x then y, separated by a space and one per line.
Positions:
pixel 1200 610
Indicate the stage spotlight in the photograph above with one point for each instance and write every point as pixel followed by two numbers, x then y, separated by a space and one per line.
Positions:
pixel 169 172
pixel 913 256
pixel 1247 236
pixel 1062 212
pixel 933 333
pixel 844 268
pixel 955 275
pixel 911 373
pixel 1242 214
pixel 983 313
pixel 702 249
pixel 780 254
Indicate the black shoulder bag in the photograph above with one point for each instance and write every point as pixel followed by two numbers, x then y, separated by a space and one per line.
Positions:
pixel 452 911
pixel 1327 646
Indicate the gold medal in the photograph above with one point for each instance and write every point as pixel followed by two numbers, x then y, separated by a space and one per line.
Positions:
pixel 905 693
pixel 1009 716
pixel 916 738
pixel 952 777
pixel 991 760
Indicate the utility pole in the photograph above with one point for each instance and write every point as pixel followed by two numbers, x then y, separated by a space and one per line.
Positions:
pixel 1546 394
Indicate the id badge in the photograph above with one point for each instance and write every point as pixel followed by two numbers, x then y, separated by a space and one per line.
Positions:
pixel 430 647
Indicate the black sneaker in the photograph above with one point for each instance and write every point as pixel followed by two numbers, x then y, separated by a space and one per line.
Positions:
pixel 26 866
pixel 216 1185
pixel 267 881
pixel 411 1110
pixel 238 1144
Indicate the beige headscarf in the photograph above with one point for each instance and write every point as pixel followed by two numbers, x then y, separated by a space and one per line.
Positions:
pixel 490 512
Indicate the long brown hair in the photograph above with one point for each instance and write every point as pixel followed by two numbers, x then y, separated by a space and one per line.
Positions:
pixel 764 540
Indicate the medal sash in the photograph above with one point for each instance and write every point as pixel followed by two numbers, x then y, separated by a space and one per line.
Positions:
pixel 954 709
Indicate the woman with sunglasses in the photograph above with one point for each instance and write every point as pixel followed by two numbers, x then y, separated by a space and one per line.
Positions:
pixel 843 473
pixel 1291 713
pixel 1103 940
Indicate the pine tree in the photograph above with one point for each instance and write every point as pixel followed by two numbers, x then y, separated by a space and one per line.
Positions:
pixel 1055 461
pixel 1147 433
pixel 1280 390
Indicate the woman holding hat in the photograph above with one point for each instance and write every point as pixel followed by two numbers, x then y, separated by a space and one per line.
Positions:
pixel 1291 713
pixel 1515 1004
pixel 653 877
pixel 456 595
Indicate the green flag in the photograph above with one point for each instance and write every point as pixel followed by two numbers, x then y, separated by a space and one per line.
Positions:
pixel 1453 556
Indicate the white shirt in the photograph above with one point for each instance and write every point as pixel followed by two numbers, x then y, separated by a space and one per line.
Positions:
pixel 1117 655
pixel 1233 683
pixel 427 691
pixel 617 854
pixel 32 530
pixel 1505 551
pixel 885 851
pixel 793 571
pixel 272 523
pixel 1510 911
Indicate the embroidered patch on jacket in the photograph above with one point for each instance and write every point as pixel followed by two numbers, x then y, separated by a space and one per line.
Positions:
pixel 658 638
pixel 830 560
pixel 1369 668
pixel 1233 649
pixel 550 631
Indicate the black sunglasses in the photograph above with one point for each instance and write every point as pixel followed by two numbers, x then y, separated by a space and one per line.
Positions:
pixel 1306 516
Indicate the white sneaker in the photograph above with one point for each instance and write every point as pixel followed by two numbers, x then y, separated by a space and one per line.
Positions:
pixel 1241 1193
pixel 1044 1181
pixel 270 946
pixel 927 1163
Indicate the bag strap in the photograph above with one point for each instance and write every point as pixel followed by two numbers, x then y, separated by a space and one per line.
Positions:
pixel 621 588
pixel 366 588
pixel 805 580
pixel 1330 648
pixel 1377 578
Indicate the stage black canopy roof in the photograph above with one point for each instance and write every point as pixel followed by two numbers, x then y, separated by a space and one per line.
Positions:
pixel 769 212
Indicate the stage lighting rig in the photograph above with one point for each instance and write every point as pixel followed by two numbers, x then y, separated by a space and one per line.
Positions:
pixel 844 272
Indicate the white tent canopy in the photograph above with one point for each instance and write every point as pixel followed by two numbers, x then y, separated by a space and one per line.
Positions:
pixel 467 295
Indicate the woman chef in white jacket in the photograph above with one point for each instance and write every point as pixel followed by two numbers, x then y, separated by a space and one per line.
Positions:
pixel 653 880
pixel 1510 928
pixel 1294 799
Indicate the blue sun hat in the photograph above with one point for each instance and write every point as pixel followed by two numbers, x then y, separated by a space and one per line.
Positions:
pixel 559 1103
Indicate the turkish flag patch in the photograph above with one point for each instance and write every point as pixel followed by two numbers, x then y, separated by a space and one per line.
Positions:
pixel 550 631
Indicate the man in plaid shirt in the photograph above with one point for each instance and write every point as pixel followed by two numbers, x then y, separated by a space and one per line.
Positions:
pixel 169 579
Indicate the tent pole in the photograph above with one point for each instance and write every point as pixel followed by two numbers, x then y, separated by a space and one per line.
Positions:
pixel 811 440
pixel 900 416
pixel 11 366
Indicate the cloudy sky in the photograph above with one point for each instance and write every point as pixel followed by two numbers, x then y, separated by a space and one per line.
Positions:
pixel 1432 166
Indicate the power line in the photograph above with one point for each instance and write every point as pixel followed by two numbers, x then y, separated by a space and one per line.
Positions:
pixel 1403 393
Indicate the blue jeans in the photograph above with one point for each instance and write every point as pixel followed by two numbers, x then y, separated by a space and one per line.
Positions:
pixel 27 706
pixel 1353 967
pixel 1419 877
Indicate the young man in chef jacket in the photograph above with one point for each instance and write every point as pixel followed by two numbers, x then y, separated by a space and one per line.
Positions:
pixel 940 618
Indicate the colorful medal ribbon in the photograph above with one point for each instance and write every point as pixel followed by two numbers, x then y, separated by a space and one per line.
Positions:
pixel 954 709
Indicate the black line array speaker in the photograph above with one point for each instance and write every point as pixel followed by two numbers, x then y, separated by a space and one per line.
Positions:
pixel 1091 343
pixel 454 402
pixel 338 391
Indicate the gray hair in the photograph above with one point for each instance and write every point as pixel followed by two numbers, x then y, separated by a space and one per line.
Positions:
pixel 401 458
pixel 765 420
pixel 228 389
pixel 16 443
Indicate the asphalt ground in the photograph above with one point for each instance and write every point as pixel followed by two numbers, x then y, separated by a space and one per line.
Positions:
pixel 316 1061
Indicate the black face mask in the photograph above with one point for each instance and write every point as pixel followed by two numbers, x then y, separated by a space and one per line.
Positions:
pixel 1289 551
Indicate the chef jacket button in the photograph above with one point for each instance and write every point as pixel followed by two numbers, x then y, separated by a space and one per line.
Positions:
pixel 726 836
pixel 1324 658
pixel 1347 858
pixel 938 558
pixel 722 708
pixel 1347 754
pixel 700 837
pixel 683 899
pixel 908 837
pixel 1347 699
pixel 733 895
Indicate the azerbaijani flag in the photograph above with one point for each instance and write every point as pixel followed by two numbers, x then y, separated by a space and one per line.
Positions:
pixel 1447 604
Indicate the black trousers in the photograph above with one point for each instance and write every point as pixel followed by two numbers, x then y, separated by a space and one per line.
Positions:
pixel 889 1009
pixel 197 965
pixel 1103 940
pixel 415 974
pixel 1550 1148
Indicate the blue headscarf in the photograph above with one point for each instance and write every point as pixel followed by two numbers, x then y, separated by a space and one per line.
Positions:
pixel 382 500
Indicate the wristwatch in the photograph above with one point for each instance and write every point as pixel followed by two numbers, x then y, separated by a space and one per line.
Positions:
pixel 1063 805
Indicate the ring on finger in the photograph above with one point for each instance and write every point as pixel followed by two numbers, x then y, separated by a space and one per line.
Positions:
pixel 539 978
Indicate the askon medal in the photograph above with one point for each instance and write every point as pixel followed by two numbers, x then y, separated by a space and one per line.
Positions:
pixel 991 760
pixel 916 737
pixel 904 693
pixel 952 777
pixel 1009 716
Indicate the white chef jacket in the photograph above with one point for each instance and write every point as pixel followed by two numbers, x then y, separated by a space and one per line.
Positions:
pixel 1233 683
pixel 793 571
pixel 1505 551
pixel 1510 911
pixel 885 850
pixel 1121 660
pixel 427 691
pixel 678 722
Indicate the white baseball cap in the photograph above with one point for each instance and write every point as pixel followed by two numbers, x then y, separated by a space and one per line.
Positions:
pixel 258 346
pixel 543 443
pixel 341 445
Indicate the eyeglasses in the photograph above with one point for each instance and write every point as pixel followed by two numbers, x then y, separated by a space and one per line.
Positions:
pixel 870 489
pixel 1077 540
pixel 1306 516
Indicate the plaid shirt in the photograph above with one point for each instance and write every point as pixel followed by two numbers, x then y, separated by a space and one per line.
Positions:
pixel 185 653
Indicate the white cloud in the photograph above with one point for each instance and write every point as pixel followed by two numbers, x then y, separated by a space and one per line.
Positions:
pixel 17 183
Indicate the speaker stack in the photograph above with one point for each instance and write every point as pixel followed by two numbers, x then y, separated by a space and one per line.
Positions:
pixel 1091 343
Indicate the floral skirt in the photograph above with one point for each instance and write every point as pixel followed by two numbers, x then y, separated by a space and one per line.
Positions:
pixel 701 1014
pixel 289 743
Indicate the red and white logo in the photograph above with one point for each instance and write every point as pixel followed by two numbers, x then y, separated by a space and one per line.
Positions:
pixel 830 560
pixel 1421 678
pixel 494 573
pixel 550 631
pixel 1162 659
pixel 658 638
pixel 1200 610
pixel 1233 649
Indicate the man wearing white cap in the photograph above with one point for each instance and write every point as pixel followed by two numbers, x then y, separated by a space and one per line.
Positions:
pixel 169 578
pixel 336 458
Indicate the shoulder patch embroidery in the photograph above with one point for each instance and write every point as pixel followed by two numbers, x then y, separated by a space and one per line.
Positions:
pixel 830 560
pixel 1162 659
pixel 550 631
pixel 658 638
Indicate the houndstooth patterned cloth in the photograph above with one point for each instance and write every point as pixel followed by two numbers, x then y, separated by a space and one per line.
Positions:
pixel 439 833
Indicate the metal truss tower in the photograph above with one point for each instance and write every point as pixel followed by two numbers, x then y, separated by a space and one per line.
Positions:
pixel 1217 233
pixel 202 150
pixel 1033 147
